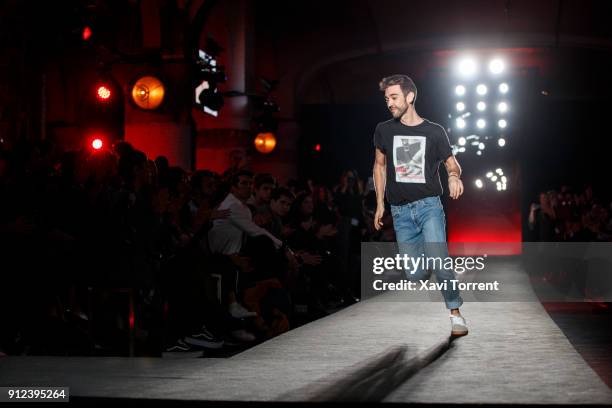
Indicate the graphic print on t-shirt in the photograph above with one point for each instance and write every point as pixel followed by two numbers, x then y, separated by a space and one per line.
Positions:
pixel 409 158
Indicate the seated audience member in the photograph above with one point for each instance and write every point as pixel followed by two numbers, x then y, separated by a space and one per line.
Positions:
pixel 273 217
pixel 264 183
pixel 227 235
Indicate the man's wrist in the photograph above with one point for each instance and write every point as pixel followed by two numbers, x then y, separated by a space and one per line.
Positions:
pixel 453 174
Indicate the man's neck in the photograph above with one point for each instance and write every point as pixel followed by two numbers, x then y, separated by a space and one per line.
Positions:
pixel 411 118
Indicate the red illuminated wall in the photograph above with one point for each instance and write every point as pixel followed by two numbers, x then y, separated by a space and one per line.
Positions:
pixel 485 216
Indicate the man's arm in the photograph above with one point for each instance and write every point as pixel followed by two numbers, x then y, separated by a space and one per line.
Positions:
pixel 380 181
pixel 453 169
pixel 240 218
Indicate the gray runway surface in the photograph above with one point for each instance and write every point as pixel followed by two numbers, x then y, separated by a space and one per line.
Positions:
pixel 514 354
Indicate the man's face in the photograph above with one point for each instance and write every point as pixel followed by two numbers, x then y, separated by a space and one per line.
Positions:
pixel 396 101
pixel 242 190
pixel 281 206
pixel 208 186
pixel 263 192
pixel 307 206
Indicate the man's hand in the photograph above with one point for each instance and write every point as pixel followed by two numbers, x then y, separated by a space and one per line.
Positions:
pixel 327 230
pixel 310 259
pixel 455 187
pixel 218 214
pixel 205 215
pixel 287 230
pixel 262 219
pixel 380 211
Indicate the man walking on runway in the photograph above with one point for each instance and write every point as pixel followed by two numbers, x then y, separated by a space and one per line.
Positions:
pixel 409 150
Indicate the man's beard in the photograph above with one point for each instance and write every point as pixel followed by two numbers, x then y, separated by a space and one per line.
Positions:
pixel 397 113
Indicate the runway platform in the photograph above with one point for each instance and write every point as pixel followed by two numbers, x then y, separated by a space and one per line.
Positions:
pixel 384 349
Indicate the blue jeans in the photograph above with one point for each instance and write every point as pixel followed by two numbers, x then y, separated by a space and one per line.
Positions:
pixel 420 229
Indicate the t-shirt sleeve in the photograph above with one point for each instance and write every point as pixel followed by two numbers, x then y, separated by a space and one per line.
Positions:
pixel 378 140
pixel 444 147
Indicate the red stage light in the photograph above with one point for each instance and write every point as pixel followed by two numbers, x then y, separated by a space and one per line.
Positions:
pixel 317 147
pixel 97 144
pixel 103 93
pixel 86 33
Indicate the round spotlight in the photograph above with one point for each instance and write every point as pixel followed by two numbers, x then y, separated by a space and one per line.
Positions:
pixel 460 90
pixel 499 171
pixel 467 66
pixel 499 186
pixel 148 92
pixel 460 106
pixel 460 123
pixel 501 142
pixel 481 89
pixel 97 144
pixel 265 142
pixel 502 107
pixel 502 123
pixel 493 178
pixel 479 183
pixel 504 179
pixel 481 123
pixel 496 66
pixel 462 141
pixel 478 153
pixel 503 88
pixel 481 146
pixel 489 174
pixel 481 106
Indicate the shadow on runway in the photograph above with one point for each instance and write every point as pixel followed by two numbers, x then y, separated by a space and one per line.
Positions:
pixel 370 380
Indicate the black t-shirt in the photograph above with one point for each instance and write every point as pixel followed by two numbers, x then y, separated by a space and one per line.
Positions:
pixel 413 157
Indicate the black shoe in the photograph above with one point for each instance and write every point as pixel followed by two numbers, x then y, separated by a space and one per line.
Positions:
pixel 204 339
pixel 180 346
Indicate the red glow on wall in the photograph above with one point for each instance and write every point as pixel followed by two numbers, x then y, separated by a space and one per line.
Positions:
pixel 317 147
pixel 486 221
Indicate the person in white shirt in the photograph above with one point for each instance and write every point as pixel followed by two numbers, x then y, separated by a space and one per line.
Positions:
pixel 228 235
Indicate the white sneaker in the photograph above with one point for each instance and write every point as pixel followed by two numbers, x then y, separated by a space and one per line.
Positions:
pixel 243 335
pixel 238 311
pixel 458 326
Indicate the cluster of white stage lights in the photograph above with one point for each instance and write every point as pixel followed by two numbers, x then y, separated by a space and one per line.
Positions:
pixel 497 177
pixel 468 68
pixel 475 141
pixel 481 106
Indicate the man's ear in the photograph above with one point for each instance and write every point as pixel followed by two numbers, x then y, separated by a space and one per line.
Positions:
pixel 410 98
